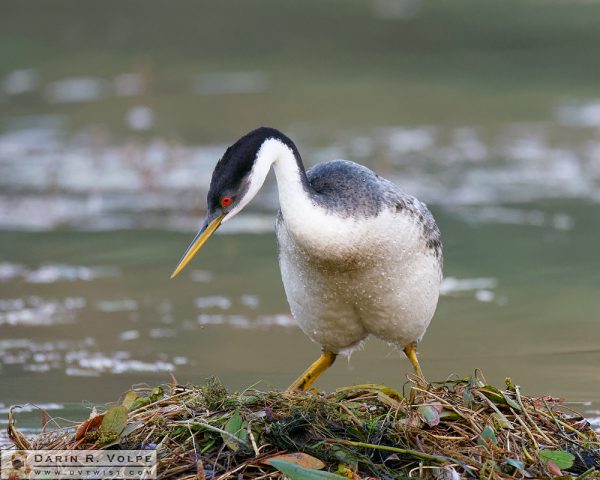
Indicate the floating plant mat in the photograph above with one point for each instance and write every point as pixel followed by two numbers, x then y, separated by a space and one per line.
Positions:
pixel 460 428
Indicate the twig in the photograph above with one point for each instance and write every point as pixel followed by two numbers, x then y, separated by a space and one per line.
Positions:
pixel 543 435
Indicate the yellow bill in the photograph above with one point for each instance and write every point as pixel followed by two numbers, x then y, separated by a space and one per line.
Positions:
pixel 197 243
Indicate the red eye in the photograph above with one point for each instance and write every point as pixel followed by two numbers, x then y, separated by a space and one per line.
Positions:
pixel 225 201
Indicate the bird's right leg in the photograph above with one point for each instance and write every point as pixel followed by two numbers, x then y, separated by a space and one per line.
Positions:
pixel 411 352
pixel 313 372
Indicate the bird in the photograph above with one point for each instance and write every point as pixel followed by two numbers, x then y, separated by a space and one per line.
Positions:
pixel 358 256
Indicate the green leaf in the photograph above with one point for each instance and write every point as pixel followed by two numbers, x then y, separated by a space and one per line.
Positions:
pixel 389 401
pixel 510 386
pixel 563 460
pixel 155 395
pixel 372 387
pixel 129 399
pixel 518 464
pixel 449 415
pixel 114 420
pixel 489 434
pixel 430 414
pixel 501 421
pixel 131 428
pixel 494 394
pixel 249 400
pixel 236 427
pixel 296 472
pixel 511 402
pixel 499 397
pixel 343 455
pixel 208 446
pixel 298 458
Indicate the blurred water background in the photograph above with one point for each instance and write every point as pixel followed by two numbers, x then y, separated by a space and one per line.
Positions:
pixel 113 114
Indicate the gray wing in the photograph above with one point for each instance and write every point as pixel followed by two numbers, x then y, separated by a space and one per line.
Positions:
pixel 352 190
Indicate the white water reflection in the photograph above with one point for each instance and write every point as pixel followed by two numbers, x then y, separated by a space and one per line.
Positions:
pixel 128 335
pixel 76 89
pixel 250 301
pixel 242 321
pixel 516 216
pixel 119 305
pixel 202 276
pixel 162 333
pixel 18 82
pixel 141 117
pixel 216 301
pixel 482 289
pixel 80 358
pixel 593 416
pixel 37 311
pixel 29 407
pixel 54 272
pixel 85 363
pixel 580 114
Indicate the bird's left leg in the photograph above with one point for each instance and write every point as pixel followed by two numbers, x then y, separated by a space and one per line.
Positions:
pixel 313 372
pixel 411 352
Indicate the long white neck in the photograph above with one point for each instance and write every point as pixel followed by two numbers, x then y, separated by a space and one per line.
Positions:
pixel 291 180
pixel 293 194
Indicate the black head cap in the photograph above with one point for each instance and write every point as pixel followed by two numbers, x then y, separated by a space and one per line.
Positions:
pixel 230 176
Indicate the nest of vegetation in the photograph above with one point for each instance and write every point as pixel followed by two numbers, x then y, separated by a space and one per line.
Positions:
pixel 453 429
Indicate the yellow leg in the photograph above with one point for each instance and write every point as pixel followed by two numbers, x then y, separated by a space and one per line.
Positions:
pixel 411 352
pixel 313 372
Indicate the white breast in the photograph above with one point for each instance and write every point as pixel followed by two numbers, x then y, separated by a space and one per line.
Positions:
pixel 346 278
